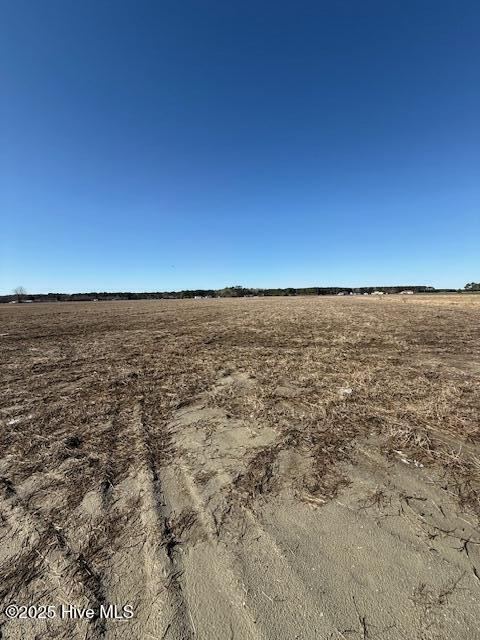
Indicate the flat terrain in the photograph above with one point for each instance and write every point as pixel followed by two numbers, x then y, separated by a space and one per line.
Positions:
pixel 272 468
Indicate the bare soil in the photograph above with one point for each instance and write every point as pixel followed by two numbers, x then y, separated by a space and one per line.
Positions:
pixel 255 468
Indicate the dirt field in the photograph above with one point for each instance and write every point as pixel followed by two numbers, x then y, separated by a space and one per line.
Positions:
pixel 254 468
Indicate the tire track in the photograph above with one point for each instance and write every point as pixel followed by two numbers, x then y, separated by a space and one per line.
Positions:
pixel 161 555
pixel 72 566
pixel 220 572
pixel 233 561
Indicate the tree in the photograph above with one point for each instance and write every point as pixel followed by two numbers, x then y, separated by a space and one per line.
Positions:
pixel 472 286
pixel 236 291
pixel 20 293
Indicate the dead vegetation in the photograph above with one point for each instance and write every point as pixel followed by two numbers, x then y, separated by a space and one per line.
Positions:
pixel 323 374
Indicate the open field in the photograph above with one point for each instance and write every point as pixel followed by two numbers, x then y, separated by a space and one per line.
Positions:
pixel 252 468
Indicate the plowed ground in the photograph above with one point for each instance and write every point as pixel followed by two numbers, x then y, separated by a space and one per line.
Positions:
pixel 252 468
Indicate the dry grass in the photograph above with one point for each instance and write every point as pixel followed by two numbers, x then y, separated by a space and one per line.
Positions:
pixel 323 373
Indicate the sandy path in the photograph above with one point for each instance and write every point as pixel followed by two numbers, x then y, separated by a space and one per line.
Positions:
pixel 354 568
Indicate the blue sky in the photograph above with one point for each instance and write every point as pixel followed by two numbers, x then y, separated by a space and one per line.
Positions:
pixel 170 145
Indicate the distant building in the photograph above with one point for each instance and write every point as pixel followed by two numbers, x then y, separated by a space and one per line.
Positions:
pixel 407 292
pixel 378 293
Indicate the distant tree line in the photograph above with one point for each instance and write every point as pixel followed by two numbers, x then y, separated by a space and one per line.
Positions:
pixel 237 291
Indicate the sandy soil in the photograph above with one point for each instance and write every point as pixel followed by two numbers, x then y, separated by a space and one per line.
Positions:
pixel 279 468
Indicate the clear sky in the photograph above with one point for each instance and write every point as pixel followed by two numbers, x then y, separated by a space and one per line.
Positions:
pixel 149 145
